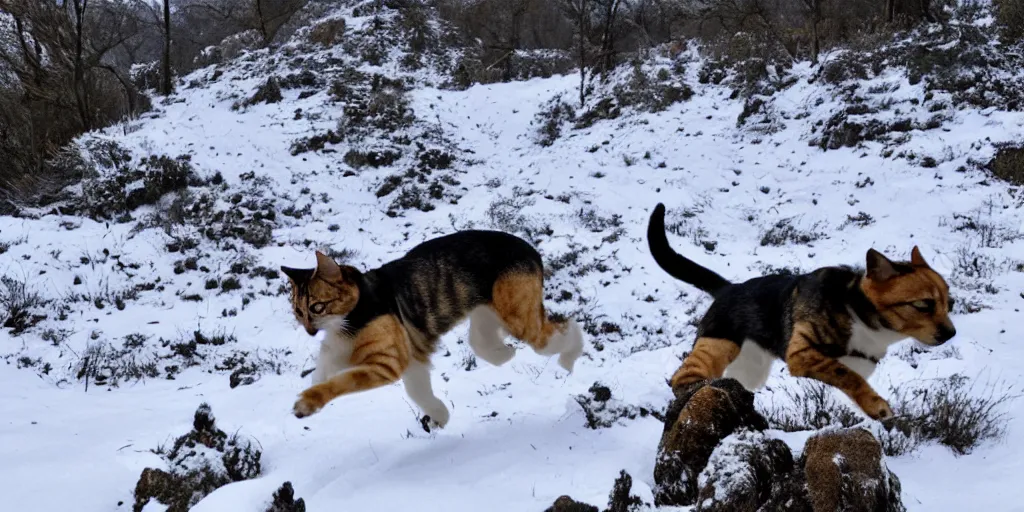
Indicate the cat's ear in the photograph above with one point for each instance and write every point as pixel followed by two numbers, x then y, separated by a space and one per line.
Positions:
pixel 879 267
pixel 297 275
pixel 327 268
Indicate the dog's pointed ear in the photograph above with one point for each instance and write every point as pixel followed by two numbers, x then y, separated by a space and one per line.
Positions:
pixel 879 267
pixel 916 259
pixel 326 267
pixel 297 275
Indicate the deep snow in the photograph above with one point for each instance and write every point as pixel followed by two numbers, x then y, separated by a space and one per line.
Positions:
pixel 516 439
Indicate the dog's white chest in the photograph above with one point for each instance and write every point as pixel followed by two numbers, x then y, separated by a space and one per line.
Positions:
pixel 867 346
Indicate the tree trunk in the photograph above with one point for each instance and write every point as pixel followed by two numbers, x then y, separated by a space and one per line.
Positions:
pixel 81 98
pixel 815 36
pixel 912 10
pixel 608 37
pixel 926 11
pixel 166 85
pixel 129 91
pixel 815 41
pixel 262 22
pixel 583 52
pixel 513 40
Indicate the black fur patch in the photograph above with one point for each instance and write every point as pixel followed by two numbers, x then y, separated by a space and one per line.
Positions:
pixel 765 309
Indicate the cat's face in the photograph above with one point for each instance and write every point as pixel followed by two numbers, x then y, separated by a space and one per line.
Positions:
pixel 323 296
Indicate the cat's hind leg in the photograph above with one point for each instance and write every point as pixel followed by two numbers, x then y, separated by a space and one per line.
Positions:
pixel 519 303
pixel 417 385
pixel 486 337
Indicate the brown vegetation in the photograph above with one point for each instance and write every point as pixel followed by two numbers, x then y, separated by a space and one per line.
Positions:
pixel 1010 15
pixel 70 67
pixel 67 67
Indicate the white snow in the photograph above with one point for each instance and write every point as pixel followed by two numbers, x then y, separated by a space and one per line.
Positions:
pixel 729 467
pixel 516 439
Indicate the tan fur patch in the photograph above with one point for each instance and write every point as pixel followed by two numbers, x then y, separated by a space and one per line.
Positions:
pixel 707 360
pixel 380 355
pixel 519 302
pixel 804 360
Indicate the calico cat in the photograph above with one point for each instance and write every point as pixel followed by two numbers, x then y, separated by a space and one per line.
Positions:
pixel 384 324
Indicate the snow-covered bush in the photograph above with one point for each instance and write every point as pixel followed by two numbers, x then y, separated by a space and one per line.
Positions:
pixel 1008 164
pixel 197 463
pixel 18 301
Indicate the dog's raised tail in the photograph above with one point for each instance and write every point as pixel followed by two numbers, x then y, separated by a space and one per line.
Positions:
pixel 676 264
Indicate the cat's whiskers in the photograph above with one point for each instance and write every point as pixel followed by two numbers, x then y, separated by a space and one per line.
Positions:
pixel 333 324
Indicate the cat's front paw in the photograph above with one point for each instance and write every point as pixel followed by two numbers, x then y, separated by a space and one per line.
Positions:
pixel 309 402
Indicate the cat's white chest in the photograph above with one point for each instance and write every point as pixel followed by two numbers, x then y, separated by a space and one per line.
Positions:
pixel 334 357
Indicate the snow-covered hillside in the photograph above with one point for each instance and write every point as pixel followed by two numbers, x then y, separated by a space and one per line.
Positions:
pixel 144 313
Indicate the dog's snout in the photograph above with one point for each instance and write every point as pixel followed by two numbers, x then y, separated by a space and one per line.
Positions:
pixel 310 330
pixel 945 333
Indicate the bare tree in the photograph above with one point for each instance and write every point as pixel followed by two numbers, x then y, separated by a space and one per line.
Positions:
pixel 499 25
pixel 745 15
pixel 581 11
pixel 265 17
pixel 909 10
pixel 81 95
pixel 166 85
pixel 63 75
pixel 584 28
pixel 813 13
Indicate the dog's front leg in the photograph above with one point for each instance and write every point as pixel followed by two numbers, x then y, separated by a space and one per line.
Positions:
pixel 804 360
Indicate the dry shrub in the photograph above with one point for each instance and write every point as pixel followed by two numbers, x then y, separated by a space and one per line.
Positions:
pixel 550 118
pixel 747 61
pixel 1008 164
pixel 946 411
pixel 1010 15
pixel 327 32
pixel 814 407
pixel 284 500
pixel 269 92
pixel 231 47
pixel 17 303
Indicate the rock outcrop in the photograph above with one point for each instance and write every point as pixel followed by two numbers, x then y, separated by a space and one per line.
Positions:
pixel 284 500
pixel 603 411
pixel 700 417
pixel 845 471
pixel 743 472
pixel 620 499
pixel 714 454
pixel 567 504
pixel 198 463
